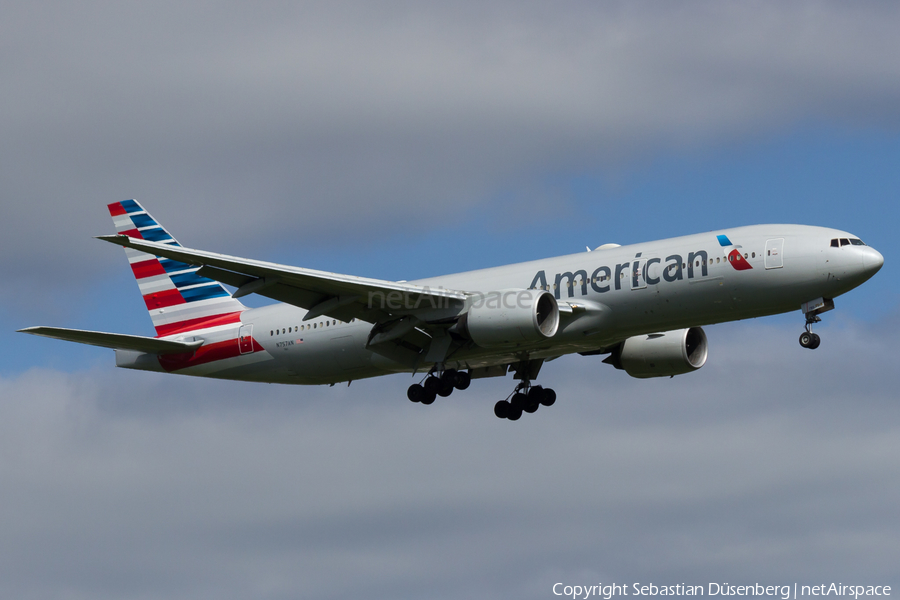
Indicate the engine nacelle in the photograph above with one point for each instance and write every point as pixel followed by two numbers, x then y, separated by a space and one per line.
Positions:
pixel 662 354
pixel 510 317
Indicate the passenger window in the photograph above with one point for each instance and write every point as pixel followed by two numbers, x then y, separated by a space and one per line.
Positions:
pixel 314 325
pixel 835 243
pixel 271 333
pixel 845 242
pixel 745 255
pixel 753 254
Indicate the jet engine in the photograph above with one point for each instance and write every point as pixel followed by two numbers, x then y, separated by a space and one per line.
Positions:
pixel 661 354
pixel 510 317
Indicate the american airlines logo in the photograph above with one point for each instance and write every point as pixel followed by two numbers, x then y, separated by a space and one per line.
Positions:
pixel 735 257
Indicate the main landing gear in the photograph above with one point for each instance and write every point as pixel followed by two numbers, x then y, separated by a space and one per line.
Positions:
pixel 438 385
pixel 526 398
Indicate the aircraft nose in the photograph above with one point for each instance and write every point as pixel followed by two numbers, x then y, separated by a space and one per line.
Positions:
pixel 872 260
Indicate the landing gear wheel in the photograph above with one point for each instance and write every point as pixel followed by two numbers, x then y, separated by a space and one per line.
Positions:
pixel 427 398
pixel 519 401
pixel 806 339
pixel 816 340
pixel 449 377
pixel 533 402
pixel 548 397
pixel 501 409
pixel 432 385
pixel 415 392
pixel 514 413
pixel 463 380
pixel 445 390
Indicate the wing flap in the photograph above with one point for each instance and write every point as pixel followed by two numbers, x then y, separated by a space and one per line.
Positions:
pixel 116 341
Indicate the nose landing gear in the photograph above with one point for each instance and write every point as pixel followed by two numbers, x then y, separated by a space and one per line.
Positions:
pixel 808 339
pixel 812 310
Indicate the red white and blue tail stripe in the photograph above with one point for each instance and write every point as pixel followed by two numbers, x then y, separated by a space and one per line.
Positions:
pixel 177 298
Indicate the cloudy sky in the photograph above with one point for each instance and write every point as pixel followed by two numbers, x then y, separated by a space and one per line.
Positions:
pixel 403 140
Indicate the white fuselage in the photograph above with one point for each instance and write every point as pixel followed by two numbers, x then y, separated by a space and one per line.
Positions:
pixel 605 296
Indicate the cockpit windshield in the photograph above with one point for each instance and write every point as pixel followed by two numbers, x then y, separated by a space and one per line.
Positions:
pixel 838 242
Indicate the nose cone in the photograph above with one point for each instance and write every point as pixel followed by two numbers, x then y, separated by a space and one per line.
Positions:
pixel 872 260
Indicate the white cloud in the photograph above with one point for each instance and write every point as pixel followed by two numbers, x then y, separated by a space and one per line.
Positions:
pixel 772 462
pixel 264 120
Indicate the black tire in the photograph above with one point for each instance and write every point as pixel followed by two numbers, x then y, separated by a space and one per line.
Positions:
pixel 816 340
pixel 445 390
pixel 519 400
pixel 531 407
pixel 463 380
pixel 514 413
pixel 806 339
pixel 448 377
pixel 432 385
pixel 415 392
pixel 501 409
pixel 428 398
pixel 549 397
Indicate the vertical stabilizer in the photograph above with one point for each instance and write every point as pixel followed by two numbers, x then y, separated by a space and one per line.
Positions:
pixel 177 298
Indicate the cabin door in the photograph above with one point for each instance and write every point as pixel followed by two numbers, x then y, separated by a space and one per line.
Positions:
pixel 774 253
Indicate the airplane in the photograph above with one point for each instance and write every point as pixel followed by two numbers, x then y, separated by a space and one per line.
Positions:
pixel 642 305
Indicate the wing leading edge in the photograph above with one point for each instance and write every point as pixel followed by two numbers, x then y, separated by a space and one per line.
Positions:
pixel 341 296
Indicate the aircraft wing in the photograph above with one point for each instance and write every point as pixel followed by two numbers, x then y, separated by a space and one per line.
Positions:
pixel 117 341
pixel 321 293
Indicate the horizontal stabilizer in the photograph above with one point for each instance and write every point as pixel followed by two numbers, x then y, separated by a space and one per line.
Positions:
pixel 117 341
